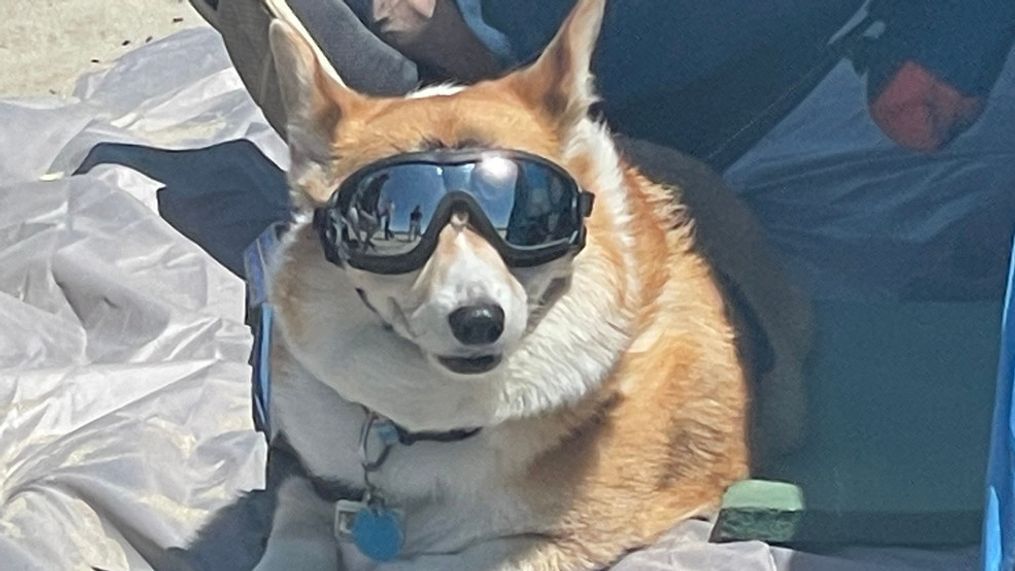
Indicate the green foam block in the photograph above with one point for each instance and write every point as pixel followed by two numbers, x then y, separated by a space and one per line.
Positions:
pixel 762 510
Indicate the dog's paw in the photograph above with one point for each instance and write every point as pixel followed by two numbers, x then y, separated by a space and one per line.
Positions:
pixel 506 554
pixel 297 554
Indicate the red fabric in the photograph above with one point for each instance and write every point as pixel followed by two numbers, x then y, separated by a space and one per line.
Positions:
pixel 920 111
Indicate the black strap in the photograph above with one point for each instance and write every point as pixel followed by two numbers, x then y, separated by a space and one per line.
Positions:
pixel 407 438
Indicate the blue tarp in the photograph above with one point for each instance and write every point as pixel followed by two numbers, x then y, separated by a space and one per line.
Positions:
pixel 999 522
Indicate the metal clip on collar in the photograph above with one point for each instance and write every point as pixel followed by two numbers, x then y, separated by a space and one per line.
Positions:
pixel 387 435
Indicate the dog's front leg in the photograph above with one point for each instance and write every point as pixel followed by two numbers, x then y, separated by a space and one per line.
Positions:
pixel 489 555
pixel 508 554
pixel 301 534
pixel 588 544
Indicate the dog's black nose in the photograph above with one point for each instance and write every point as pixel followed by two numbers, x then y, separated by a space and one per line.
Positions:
pixel 477 324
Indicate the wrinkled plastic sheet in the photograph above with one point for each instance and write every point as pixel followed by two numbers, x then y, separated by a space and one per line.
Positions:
pixel 126 424
pixel 124 398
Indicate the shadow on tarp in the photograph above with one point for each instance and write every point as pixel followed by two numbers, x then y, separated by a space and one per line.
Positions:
pixel 235 537
pixel 220 197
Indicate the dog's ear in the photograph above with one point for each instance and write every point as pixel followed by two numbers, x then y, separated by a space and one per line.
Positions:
pixel 560 81
pixel 315 100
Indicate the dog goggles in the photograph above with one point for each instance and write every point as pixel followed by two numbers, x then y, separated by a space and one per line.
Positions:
pixel 386 217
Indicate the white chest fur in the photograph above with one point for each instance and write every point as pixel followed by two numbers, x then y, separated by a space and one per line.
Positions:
pixel 450 495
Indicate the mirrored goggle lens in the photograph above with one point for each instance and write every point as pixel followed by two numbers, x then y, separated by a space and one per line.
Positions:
pixel 529 204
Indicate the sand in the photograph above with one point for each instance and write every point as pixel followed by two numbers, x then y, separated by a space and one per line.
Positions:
pixel 45 45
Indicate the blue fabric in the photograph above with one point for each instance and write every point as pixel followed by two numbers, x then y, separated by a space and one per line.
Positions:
pixel 650 45
pixel 690 74
pixel 682 73
pixel 492 38
pixel 999 521
pixel 653 45
pixel 261 317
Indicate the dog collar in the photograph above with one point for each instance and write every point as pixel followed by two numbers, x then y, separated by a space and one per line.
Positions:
pixel 407 438
pixel 376 529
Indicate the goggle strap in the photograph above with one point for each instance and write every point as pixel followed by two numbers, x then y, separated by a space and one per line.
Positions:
pixel 321 224
pixel 586 200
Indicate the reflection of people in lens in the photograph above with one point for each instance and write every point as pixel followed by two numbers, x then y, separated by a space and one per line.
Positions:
pixel 385 210
pixel 363 225
pixel 415 223
pixel 529 222
pixel 364 214
pixel 564 223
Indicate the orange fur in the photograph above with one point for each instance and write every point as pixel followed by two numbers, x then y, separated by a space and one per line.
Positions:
pixel 660 438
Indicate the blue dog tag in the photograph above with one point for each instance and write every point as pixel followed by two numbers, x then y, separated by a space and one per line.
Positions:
pixel 377 532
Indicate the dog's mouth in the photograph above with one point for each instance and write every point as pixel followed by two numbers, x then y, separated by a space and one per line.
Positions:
pixel 470 365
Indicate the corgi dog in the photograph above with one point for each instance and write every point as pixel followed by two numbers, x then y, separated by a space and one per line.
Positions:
pixel 532 369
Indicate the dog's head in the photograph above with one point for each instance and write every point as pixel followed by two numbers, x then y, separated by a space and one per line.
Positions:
pixel 466 339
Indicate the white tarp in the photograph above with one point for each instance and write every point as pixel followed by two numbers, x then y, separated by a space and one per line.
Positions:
pixel 125 419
